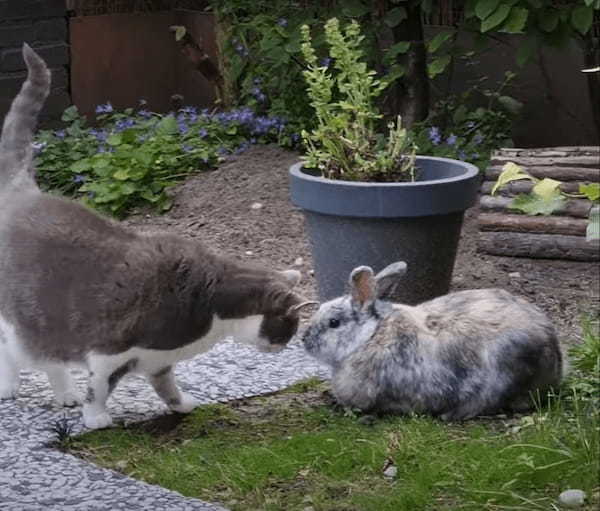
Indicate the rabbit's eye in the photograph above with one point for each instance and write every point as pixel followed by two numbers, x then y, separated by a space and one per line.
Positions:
pixel 334 323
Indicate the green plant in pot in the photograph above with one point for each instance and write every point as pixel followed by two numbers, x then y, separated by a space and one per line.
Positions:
pixel 367 198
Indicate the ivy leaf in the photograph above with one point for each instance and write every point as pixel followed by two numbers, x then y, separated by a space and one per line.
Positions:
pixel 510 172
pixel 533 204
pixel 438 66
pixel 515 23
pixel 546 188
pixel 495 19
pixel 582 18
pixel 591 191
pixel 485 7
pixel 179 30
pixel 592 233
pixel 395 16
pixel 437 41
pixel 70 114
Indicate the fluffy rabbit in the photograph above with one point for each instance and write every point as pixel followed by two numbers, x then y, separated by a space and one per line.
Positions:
pixel 467 353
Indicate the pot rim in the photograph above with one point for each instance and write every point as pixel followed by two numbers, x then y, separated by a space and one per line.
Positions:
pixel 470 171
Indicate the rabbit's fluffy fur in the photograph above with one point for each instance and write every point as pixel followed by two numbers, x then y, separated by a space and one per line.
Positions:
pixel 468 353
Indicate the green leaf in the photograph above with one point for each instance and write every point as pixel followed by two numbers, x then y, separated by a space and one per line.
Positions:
pixel 546 188
pixel 485 7
pixel 100 164
pixel 591 191
pixel 121 174
pixel 398 48
pixel 516 20
pixel 70 114
pixel 582 18
pixel 547 19
pixel 437 41
pixel 533 204
pixel 510 172
pixel 355 9
pixel 511 104
pixel 395 16
pixel 80 166
pixel 438 66
pixel 525 51
pixel 592 233
pixel 167 126
pixel 114 139
pixel 180 32
pixel 495 19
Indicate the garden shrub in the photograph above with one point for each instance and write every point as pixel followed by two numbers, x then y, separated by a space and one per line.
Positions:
pixel 129 159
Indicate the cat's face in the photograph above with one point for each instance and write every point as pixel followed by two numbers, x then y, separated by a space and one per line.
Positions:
pixel 276 330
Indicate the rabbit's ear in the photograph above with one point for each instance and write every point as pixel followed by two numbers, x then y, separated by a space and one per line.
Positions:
pixel 292 276
pixel 388 278
pixel 362 286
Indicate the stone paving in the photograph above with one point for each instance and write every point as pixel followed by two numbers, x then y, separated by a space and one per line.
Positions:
pixel 34 476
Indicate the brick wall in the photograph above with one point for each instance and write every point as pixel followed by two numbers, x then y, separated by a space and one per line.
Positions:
pixel 43 25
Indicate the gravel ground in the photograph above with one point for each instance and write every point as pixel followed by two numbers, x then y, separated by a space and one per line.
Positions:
pixel 243 210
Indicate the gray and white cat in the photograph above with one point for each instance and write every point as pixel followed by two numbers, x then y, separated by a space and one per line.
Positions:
pixel 78 289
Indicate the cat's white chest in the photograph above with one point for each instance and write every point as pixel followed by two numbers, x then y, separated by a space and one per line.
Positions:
pixel 149 361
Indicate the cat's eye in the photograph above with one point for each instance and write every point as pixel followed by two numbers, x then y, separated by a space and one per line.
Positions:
pixel 334 323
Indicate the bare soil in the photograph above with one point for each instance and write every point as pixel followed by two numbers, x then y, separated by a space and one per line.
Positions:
pixel 242 209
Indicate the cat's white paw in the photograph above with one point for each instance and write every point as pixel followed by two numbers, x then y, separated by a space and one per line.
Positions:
pixel 186 404
pixel 97 421
pixel 9 391
pixel 69 398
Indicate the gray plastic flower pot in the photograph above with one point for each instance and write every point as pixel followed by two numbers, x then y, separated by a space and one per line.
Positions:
pixel 352 223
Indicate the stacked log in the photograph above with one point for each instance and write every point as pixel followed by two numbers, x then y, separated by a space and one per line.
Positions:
pixel 506 232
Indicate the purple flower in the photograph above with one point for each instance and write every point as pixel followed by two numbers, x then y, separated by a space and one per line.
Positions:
pixel 325 62
pixel 241 50
pixel 295 138
pixel 78 178
pixel 123 124
pixel 38 147
pixel 183 127
pixel 478 138
pixel 145 114
pixel 190 110
pixel 202 132
pixel 107 108
pixel 187 148
pixel 434 135
pixel 60 134
pixel 474 156
pixel 282 22
pixel 101 149
pixel 100 135
pixel 462 155
pixel 451 140
pixel 257 81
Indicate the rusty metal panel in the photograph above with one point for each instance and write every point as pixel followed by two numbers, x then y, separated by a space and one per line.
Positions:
pixel 123 58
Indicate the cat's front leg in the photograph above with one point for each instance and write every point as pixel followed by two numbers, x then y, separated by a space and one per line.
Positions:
pixel 105 373
pixel 9 373
pixel 165 386
pixel 63 385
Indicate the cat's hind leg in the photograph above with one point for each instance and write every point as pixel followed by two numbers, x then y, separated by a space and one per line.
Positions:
pixel 105 373
pixel 165 386
pixel 63 385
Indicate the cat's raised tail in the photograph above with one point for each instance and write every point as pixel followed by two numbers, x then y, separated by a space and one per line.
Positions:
pixel 16 151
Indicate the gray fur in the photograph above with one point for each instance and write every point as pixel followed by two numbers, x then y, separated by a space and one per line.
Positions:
pixel 464 354
pixel 74 283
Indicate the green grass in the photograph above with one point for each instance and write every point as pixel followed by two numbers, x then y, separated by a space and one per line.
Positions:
pixel 292 450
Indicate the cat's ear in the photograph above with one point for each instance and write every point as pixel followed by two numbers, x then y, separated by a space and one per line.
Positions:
pixel 291 276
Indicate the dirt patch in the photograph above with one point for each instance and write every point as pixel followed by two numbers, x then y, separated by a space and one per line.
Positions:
pixel 243 210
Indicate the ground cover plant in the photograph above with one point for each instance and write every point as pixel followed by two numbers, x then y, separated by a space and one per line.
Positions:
pixel 294 450
pixel 130 158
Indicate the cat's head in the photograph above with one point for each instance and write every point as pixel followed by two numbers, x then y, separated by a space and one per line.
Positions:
pixel 265 305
